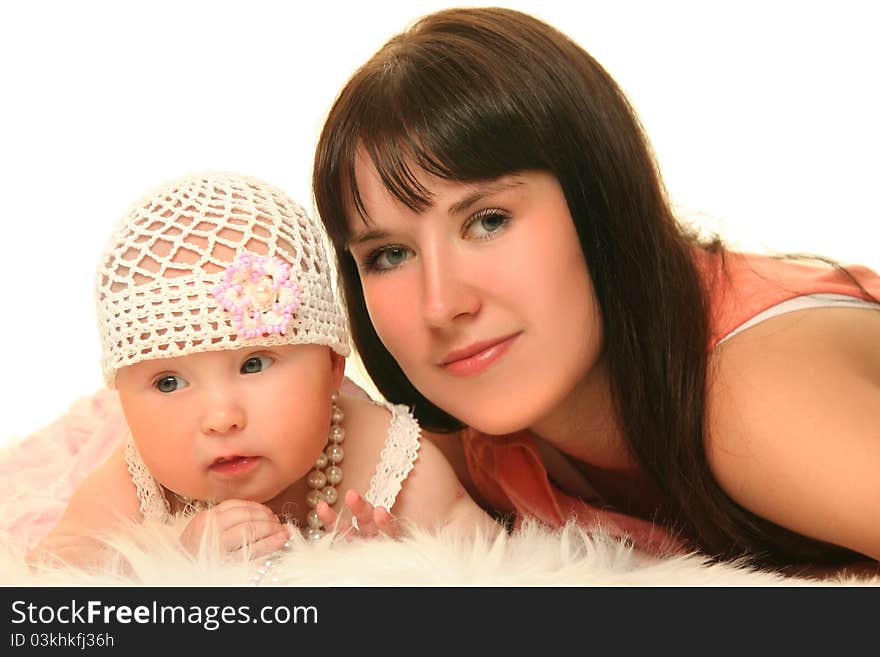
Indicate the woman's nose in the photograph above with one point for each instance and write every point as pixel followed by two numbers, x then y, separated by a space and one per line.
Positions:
pixel 448 293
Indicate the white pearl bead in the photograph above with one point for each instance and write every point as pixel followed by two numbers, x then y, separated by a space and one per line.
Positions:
pixel 316 479
pixel 313 497
pixel 313 520
pixel 337 416
pixel 313 534
pixel 334 474
pixel 330 494
pixel 321 461
pixel 335 453
pixel 337 435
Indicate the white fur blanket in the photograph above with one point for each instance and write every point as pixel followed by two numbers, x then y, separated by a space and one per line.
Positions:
pixel 38 474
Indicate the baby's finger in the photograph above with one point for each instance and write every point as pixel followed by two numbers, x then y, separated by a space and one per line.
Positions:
pixel 357 504
pixel 242 511
pixel 269 544
pixel 249 533
pixel 333 521
pixel 362 512
pixel 326 514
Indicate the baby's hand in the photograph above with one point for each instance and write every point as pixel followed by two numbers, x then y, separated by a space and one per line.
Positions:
pixel 238 522
pixel 370 520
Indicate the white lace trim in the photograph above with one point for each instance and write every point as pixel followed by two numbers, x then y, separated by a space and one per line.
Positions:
pixel 396 461
pixel 398 456
pixel 154 506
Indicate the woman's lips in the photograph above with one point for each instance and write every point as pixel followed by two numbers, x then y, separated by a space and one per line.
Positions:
pixel 478 357
pixel 234 465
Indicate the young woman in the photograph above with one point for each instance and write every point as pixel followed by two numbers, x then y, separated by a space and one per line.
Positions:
pixel 513 271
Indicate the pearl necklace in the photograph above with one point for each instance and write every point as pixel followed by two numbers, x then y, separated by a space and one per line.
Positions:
pixel 322 481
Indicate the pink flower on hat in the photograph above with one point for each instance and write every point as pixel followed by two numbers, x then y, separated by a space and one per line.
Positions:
pixel 258 293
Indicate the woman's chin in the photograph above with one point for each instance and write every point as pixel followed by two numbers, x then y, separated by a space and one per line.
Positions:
pixel 499 422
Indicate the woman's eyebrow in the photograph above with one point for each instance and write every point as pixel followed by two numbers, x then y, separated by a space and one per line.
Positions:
pixel 486 189
pixel 372 235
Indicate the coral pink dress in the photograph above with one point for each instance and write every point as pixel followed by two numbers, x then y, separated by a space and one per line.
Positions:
pixel 744 289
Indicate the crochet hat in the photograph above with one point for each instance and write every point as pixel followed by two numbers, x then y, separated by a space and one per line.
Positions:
pixel 214 261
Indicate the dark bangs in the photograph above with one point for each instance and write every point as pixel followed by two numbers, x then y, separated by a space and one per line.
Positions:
pixel 424 110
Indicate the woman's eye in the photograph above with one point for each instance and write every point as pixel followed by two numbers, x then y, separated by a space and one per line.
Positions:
pixel 170 383
pixel 486 223
pixel 256 364
pixel 387 257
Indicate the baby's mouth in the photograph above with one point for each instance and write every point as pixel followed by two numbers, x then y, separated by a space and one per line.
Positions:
pixel 234 464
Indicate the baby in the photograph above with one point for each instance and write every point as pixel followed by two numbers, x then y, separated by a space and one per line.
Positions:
pixel 221 333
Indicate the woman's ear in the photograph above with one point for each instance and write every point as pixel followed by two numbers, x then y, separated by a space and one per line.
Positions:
pixel 337 370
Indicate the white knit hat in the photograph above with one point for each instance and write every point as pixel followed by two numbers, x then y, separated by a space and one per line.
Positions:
pixel 214 261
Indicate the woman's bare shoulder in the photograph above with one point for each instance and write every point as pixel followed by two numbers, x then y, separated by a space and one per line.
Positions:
pixel 819 354
pixel 793 423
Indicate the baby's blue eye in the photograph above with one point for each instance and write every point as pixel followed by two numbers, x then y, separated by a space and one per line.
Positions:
pixel 256 364
pixel 170 383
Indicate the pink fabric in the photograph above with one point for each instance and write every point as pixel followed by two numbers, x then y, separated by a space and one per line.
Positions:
pixel 511 478
pixel 39 473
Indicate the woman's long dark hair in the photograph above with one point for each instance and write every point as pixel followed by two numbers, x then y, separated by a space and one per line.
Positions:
pixel 473 94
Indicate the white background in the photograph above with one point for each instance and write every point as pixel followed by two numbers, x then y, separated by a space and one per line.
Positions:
pixel 763 116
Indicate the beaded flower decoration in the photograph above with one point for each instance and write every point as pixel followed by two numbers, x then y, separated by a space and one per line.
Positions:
pixel 259 294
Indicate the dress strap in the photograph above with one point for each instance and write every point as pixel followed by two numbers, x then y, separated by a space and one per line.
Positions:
pixel 153 503
pixel 397 458
pixel 803 302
